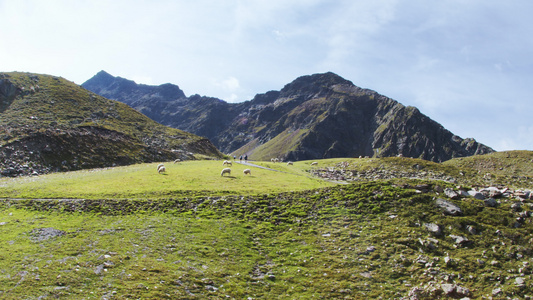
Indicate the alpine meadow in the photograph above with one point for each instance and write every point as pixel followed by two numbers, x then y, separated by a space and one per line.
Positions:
pixel 115 190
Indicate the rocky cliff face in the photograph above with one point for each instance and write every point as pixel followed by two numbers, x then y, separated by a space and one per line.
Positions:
pixel 316 116
pixel 49 124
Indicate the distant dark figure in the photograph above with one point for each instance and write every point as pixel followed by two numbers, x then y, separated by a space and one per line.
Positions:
pixel 240 158
pixel 234 157
pixel 246 158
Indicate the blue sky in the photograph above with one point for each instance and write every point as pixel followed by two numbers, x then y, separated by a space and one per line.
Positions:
pixel 466 64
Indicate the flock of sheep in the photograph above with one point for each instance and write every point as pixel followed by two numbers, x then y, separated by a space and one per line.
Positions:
pixel 161 167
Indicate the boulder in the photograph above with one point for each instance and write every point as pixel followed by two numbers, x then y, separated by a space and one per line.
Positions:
pixel 448 207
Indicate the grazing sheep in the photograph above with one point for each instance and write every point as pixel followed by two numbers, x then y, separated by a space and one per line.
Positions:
pixel 289 163
pixel 159 166
pixel 225 170
pixel 314 163
pixel 177 160
pixel 247 172
pixel 226 162
pixel 161 169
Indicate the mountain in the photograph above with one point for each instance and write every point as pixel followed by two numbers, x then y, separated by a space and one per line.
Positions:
pixel 315 116
pixel 50 124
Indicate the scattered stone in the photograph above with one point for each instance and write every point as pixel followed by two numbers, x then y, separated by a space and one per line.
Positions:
pixel 476 194
pixel 448 207
pixel 517 206
pixel 433 229
pixel 450 193
pixel 211 288
pixel 490 202
pixel 448 260
pixel 519 281
pixel 370 249
pixel 460 240
pixel 454 290
pixel 423 188
pixel 471 229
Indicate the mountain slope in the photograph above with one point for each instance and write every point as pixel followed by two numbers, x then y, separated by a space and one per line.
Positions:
pixel 50 124
pixel 315 116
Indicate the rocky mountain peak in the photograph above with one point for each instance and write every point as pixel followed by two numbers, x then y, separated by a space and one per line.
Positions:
pixel 312 84
pixel 128 91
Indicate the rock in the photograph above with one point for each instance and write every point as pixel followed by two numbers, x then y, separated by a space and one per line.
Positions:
pixel 454 290
pixel 496 291
pixel 517 206
pixel 519 281
pixel 211 288
pixel 448 207
pixel 424 188
pixel 476 194
pixel 450 193
pixel 448 260
pixel 491 192
pixel 460 240
pixel 491 202
pixel 471 229
pixel 433 229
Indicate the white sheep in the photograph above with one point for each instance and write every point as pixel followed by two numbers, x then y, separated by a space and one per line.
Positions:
pixel 159 166
pixel 225 170
pixel 177 160
pixel 247 172
pixel 314 163
pixel 226 162
pixel 289 163
pixel 161 169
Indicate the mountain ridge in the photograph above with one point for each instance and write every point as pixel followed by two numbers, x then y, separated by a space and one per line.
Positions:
pixel 314 116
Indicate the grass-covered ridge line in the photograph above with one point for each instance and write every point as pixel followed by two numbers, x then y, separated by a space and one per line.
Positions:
pixel 142 181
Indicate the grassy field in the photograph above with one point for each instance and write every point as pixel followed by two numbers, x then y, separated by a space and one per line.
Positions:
pixel 192 234
pixel 186 179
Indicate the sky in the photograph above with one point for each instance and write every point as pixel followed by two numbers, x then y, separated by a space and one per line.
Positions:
pixel 466 64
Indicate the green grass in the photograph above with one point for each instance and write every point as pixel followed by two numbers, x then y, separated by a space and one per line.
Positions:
pixel 191 234
pixel 190 178
pixel 310 244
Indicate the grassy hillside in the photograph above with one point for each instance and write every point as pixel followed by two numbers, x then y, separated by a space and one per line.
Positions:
pixel 192 234
pixel 51 124
pixel 512 168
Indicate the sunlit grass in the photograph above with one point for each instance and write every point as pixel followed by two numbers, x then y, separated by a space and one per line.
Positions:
pixel 143 181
